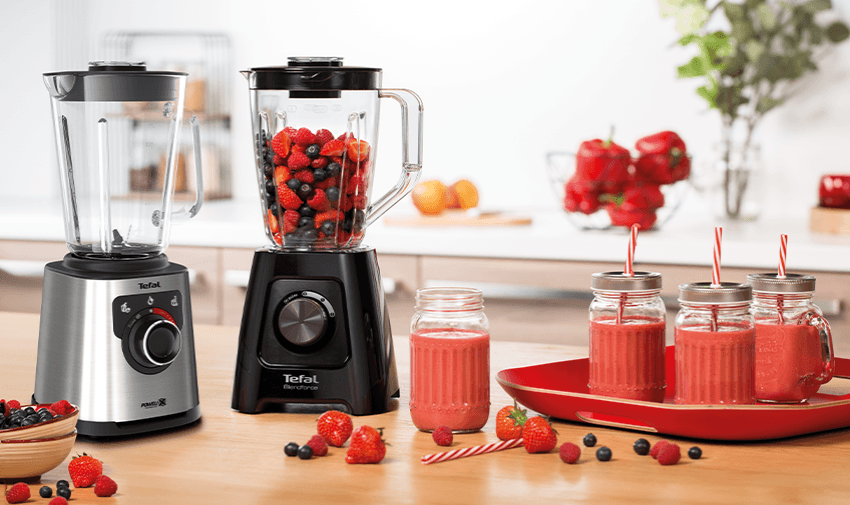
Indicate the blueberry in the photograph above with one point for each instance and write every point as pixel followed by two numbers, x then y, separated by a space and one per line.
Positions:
pixel 306 222
pixel 45 492
pixel 271 189
pixel 328 227
pixel 62 483
pixel 293 184
pixel 695 452
pixel 29 411
pixel 334 169
pixel 305 191
pixel 312 151
pixel 641 446
pixel 310 236
pixel 305 452
pixel 27 422
pixel 320 174
pixel 291 449
pixel 306 210
pixel 589 440
pixel 332 194
pixel 64 492
pixel 346 224
pixel 268 170
pixel 603 454
pixel 274 208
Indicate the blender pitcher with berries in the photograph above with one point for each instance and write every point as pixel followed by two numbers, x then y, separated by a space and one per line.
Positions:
pixel 315 307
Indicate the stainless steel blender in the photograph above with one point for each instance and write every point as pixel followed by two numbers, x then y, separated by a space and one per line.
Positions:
pixel 115 336
pixel 315 328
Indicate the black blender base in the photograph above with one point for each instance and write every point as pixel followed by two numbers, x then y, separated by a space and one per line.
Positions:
pixel 351 363
pixel 110 430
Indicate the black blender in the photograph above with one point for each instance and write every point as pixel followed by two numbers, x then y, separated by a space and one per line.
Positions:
pixel 115 336
pixel 315 328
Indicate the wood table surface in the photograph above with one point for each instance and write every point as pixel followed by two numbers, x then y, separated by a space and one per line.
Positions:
pixel 230 457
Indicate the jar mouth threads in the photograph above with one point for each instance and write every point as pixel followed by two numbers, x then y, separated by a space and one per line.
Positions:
pixel 449 299
pixel 706 292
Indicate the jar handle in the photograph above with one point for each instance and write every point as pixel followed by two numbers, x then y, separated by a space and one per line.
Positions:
pixel 199 173
pixel 813 318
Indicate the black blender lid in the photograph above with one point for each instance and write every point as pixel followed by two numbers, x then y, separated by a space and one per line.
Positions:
pixel 115 81
pixel 314 73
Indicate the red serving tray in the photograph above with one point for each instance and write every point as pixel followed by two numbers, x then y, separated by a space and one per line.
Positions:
pixel 560 390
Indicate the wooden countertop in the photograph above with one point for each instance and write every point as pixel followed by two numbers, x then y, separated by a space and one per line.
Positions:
pixel 237 458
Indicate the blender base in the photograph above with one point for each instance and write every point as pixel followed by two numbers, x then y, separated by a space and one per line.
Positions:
pixel 315 330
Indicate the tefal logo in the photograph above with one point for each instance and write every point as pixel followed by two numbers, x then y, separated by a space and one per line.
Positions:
pixel 148 285
pixel 300 379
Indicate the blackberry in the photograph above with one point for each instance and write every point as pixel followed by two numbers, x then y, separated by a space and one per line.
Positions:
pixel 291 449
pixel 332 194
pixel 64 492
pixel 45 492
pixel 306 210
pixel 305 191
pixel 695 452
pixel 641 446
pixel 305 452
pixel 306 222
pixel 312 151
pixel 333 169
pixel 320 174
pixel 589 440
pixel 603 454
pixel 328 227
pixel 293 184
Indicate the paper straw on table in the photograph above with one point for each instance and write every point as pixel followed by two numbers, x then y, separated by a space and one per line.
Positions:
pixel 471 451
pixel 783 252
pixel 715 272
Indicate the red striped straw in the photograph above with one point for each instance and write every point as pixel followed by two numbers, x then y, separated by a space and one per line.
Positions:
pixel 783 253
pixel 715 273
pixel 630 255
pixel 471 451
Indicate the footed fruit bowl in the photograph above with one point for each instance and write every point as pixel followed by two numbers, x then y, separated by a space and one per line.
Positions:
pixel 27 458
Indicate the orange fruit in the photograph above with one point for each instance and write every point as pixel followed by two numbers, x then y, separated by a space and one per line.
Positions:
pixel 430 197
pixel 462 195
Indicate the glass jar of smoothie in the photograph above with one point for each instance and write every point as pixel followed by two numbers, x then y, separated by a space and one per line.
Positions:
pixel 449 360
pixel 627 336
pixel 715 344
pixel 793 341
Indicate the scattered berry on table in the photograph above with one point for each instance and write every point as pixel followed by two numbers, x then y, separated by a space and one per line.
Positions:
pixel 442 436
pixel 669 454
pixel 367 446
pixel 104 486
pixel 58 501
pixel 62 483
pixel 641 446
pixel 64 492
pixel 84 470
pixel 18 493
pixel 589 440
pixel 509 421
pixel 291 449
pixel 538 435
pixel 335 427
pixel 569 452
pixel 318 444
pixel 695 452
pixel 603 454
pixel 305 452
pixel 45 492
pixel 657 447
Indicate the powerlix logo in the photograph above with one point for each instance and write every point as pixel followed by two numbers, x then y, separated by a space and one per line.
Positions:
pixel 300 382
pixel 154 404
pixel 148 285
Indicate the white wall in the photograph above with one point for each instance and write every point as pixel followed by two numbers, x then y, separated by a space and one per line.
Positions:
pixel 503 83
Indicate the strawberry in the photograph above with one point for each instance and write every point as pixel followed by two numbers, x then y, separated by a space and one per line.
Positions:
pixel 104 486
pixel 274 227
pixel 320 162
pixel 319 201
pixel 281 144
pixel 509 421
pixel 323 137
pixel 357 184
pixel 18 493
pixel 291 131
pixel 538 435
pixel 297 161
pixel 84 470
pixel 334 216
pixel 359 201
pixel 358 150
pixel 279 160
pixel 281 175
pixel 290 221
pixel 333 148
pixel 298 148
pixel 305 176
pixel 304 137
pixel 335 427
pixel 288 199
pixel 277 239
pixel 327 183
pixel 318 444
pixel 367 446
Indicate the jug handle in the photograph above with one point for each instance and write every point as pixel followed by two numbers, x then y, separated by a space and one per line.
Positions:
pixel 199 177
pixel 813 318
pixel 410 171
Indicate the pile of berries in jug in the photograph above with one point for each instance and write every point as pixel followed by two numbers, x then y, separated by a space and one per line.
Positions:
pixel 315 187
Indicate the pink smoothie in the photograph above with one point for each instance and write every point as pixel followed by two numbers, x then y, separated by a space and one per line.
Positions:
pixel 715 366
pixel 788 358
pixel 449 379
pixel 627 359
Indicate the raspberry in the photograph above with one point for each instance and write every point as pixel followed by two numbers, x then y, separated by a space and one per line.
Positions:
pixel 318 444
pixel 319 201
pixel 281 144
pixel 19 492
pixel 304 137
pixel 323 136
pixel 328 183
pixel 320 162
pixel 15 404
pixel 657 447
pixel 359 202
pixel 58 501
pixel 298 161
pixel 442 436
pixel 279 160
pixel 104 486
pixel 288 199
pixel 669 454
pixel 290 221
pixel 334 216
pixel 305 176
pixel 357 184
pixel 569 452
pixel 62 407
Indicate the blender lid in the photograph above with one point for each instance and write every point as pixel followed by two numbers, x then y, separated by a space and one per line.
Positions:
pixel 115 81
pixel 314 73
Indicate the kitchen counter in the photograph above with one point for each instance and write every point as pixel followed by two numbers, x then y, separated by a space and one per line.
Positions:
pixel 236 458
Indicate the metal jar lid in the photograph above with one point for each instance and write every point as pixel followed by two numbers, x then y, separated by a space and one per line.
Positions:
pixel 705 292
pixel 618 281
pixel 791 283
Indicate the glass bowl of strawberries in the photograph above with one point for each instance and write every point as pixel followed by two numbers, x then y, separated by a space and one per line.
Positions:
pixel 605 186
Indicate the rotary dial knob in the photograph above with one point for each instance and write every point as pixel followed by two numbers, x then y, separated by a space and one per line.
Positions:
pixel 302 321
pixel 154 341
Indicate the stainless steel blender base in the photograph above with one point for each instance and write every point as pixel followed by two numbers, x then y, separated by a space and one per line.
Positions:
pixel 81 359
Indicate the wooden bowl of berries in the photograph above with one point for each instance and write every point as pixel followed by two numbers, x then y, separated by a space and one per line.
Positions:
pixel 27 458
pixel 604 186
pixel 29 422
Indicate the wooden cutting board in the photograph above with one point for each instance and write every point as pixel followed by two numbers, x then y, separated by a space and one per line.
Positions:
pixel 460 218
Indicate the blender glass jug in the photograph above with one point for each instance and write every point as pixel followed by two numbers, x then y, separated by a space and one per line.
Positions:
pixel 315 126
pixel 117 129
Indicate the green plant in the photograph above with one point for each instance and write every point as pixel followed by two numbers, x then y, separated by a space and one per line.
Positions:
pixel 749 55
